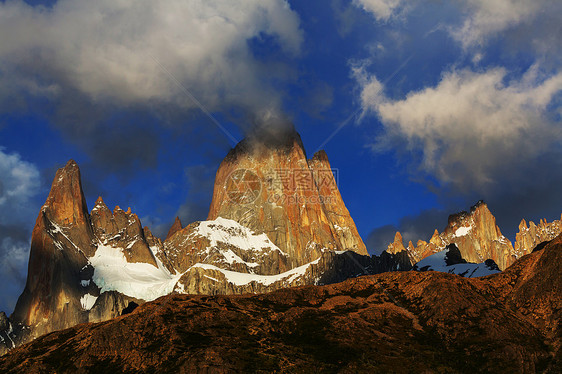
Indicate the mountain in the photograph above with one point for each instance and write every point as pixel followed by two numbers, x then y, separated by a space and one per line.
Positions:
pixel 59 291
pixel 276 220
pixel 269 186
pixel 393 322
pixel 478 238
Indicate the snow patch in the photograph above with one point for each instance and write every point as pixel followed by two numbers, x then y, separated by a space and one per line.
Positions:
pixel 211 278
pixel 436 262
pixel 143 281
pixel 242 279
pixel 231 232
pixel 87 301
pixel 462 231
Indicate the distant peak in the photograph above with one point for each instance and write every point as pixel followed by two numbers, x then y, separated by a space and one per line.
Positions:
pixel 177 226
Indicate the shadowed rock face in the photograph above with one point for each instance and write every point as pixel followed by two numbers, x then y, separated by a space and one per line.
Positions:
pixel 392 322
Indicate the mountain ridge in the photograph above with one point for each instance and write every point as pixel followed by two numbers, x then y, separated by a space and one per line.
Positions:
pixel 398 321
pixel 478 238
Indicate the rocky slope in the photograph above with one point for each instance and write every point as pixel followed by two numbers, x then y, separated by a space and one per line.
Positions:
pixel 394 322
pixel 478 238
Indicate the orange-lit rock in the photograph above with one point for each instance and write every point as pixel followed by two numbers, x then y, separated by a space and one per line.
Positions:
pixel 271 187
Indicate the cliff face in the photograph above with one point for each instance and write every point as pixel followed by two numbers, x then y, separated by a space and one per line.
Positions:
pixel 273 189
pixel 62 240
pixel 478 237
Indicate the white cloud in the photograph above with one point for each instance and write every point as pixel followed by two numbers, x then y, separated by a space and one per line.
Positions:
pixel 19 182
pixel 382 10
pixel 106 48
pixel 485 18
pixel 473 128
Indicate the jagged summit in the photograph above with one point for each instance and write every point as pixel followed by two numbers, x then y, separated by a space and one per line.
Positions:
pixel 475 233
pixel 276 190
pixel 177 226
pixel 478 238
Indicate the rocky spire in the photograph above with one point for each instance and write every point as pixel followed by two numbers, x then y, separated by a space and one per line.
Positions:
pixel 397 245
pixel 177 226
pixel 121 229
pixel 529 237
pixel 269 186
pixel 61 241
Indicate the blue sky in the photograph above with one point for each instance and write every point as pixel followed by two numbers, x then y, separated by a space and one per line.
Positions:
pixel 425 107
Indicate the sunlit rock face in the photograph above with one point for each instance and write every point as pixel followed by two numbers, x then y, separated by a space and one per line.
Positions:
pixel 530 236
pixel 476 235
pixel 269 186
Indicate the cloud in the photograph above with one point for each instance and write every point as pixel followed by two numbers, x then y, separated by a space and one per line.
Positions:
pixel 382 10
pixel 109 74
pixel 486 18
pixel 133 51
pixel 19 184
pixel 201 180
pixel 20 181
pixel 472 129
